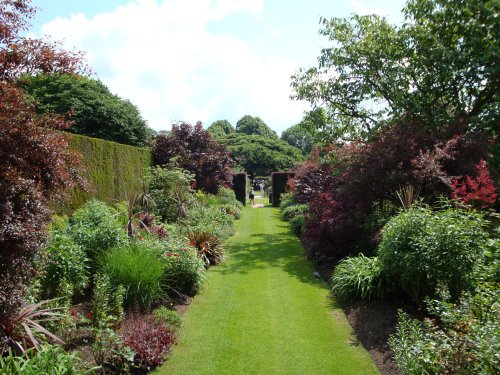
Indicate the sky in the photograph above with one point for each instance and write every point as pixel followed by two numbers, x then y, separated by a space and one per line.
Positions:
pixel 200 60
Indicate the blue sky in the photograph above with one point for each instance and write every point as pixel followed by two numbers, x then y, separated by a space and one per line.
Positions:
pixel 190 60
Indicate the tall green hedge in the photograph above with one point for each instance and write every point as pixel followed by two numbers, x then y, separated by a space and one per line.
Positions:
pixel 279 180
pixel 113 170
pixel 240 187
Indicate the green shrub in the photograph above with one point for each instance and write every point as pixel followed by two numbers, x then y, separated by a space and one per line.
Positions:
pixel 184 271
pixel 227 196
pixel 170 191
pixel 170 318
pixel 50 359
pixel 297 224
pixel 210 219
pixel 464 339
pixel 358 278
pixel 96 229
pixel 232 209
pixel 66 263
pixel 138 267
pixel 286 200
pixel 291 211
pixel 421 249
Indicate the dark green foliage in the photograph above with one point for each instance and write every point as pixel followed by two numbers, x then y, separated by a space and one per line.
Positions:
pixel 96 111
pixel 221 128
pixel 463 339
pixel 240 187
pixel 421 249
pixel 259 155
pixel 279 182
pixel 113 170
pixel 358 278
pixel 96 229
pixel 297 224
pixel 139 268
pixel 254 126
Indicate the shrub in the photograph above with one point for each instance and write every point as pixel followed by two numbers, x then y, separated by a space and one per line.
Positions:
pixel 287 200
pixel 197 152
pixel 170 190
pixel 297 224
pixel 66 264
pixel 106 304
pixel 209 219
pixel 290 212
pixel 227 196
pixel 49 359
pixel 208 245
pixel 421 249
pixel 479 192
pixel 149 339
pixel 462 341
pixel 240 187
pixel 232 210
pixel 279 185
pixel 96 229
pixel 358 278
pixel 184 271
pixel 170 318
pixel 138 267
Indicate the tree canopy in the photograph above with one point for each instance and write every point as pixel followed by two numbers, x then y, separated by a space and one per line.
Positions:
pixel 95 110
pixel 440 66
pixel 253 125
pixel 221 128
pixel 260 155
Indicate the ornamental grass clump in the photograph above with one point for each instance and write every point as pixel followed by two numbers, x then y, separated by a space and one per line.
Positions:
pixel 358 278
pixel 139 268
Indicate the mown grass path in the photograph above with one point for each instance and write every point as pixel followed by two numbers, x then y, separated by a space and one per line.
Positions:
pixel 262 312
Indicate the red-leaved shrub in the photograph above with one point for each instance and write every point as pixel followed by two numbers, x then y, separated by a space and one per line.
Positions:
pixel 149 339
pixel 479 191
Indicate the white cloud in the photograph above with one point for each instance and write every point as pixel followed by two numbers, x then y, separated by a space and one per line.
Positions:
pixel 161 56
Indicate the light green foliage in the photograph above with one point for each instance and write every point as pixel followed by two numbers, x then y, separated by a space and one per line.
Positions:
pixel 254 126
pixel 358 278
pixel 170 318
pixel 301 137
pixel 170 191
pixel 138 267
pixel 259 155
pixel 220 128
pixel 96 111
pixel 66 265
pixel 228 202
pixel 439 65
pixel 50 359
pixel 212 219
pixel 290 212
pixel 464 342
pixel 286 201
pixel 112 170
pixel 96 229
pixel 421 248
pixel 183 273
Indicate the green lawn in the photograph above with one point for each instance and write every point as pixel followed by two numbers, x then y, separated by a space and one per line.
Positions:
pixel 262 312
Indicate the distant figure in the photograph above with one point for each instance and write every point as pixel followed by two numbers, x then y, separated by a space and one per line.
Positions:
pixel 252 198
pixel 270 197
pixel 262 191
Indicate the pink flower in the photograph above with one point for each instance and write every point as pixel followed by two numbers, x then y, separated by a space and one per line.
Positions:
pixel 73 312
pixel 176 255
pixel 88 315
pixel 139 238
pixel 169 254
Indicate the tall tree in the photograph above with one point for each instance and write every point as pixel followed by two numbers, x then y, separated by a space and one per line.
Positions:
pixel 196 151
pixel 259 155
pixel 438 67
pixel 254 126
pixel 95 110
pixel 221 128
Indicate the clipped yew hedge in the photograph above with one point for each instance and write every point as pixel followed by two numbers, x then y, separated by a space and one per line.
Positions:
pixel 113 170
pixel 240 187
pixel 278 181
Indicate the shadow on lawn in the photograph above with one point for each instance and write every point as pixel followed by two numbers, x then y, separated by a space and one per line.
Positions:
pixel 280 250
